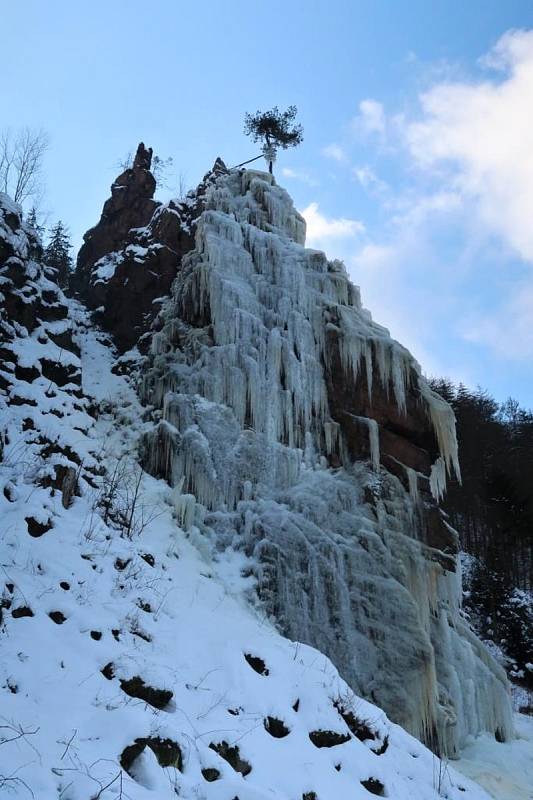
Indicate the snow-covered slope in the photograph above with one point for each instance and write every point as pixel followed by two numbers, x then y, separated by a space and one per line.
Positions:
pixel 504 769
pixel 132 665
pixel 140 656
pixel 255 379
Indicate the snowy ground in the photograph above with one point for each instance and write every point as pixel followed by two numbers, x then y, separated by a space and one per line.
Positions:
pixel 234 710
pixel 135 664
pixel 504 770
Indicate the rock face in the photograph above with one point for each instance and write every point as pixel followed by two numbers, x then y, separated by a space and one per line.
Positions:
pixel 40 376
pixel 32 310
pixel 130 258
pixel 292 426
pixel 28 295
pixel 131 205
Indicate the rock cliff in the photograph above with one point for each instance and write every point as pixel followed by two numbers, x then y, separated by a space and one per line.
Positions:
pixel 129 259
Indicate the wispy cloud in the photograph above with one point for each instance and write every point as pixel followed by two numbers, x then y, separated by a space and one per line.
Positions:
pixel 447 262
pixel 368 179
pixel 509 332
pixel 335 152
pixel 299 175
pixel 371 117
pixel 322 229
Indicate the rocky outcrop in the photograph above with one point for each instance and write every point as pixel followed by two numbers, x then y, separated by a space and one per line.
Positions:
pixel 131 205
pixel 130 258
pixel 40 375
pixel 408 445
pixel 292 426
pixel 405 434
pixel 32 305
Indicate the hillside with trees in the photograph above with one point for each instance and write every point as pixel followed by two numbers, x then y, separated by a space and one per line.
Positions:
pixel 493 511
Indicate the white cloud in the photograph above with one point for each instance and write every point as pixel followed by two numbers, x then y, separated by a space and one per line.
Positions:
pixel 335 152
pixel 321 229
pixel 446 259
pixel 371 117
pixel 373 256
pixel 480 136
pixel 299 175
pixel 419 209
pixel 368 179
pixel 472 147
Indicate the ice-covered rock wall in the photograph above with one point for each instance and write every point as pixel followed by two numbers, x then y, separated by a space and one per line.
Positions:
pixel 131 667
pixel 293 426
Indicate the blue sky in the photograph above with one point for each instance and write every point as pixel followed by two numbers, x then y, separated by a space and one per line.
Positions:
pixel 417 164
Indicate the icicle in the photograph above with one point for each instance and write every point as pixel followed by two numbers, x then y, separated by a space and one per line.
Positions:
pixel 267 298
pixel 373 437
pixel 159 343
pixel 443 421
pixel 412 477
pixel 331 436
pixel 437 479
pixel 184 506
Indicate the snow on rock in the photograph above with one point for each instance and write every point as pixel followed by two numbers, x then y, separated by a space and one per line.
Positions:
pixel 259 363
pixel 130 258
pixel 43 419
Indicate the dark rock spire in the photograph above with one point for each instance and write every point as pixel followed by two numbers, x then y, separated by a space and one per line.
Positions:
pixel 143 157
pixel 131 205
pixel 130 258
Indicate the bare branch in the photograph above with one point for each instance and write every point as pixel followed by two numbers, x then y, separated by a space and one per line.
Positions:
pixel 21 157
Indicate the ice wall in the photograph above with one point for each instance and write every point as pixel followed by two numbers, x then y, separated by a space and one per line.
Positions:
pixel 239 380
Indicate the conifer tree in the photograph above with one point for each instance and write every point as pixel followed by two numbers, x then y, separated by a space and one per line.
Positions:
pixel 57 253
pixel 33 221
pixel 493 511
pixel 275 129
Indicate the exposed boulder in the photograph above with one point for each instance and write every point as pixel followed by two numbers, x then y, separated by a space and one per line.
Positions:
pixel 167 752
pixel 136 687
pixel 232 755
pixel 323 738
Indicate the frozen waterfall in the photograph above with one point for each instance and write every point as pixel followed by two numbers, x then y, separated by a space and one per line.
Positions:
pixel 237 378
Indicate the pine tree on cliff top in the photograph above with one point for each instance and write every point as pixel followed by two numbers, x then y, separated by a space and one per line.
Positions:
pixel 275 129
pixel 57 253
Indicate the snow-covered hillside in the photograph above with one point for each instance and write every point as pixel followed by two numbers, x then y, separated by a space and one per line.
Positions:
pixel 143 612
pixel 133 665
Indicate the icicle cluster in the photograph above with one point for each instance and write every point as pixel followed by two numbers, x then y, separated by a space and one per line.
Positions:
pixel 237 376
pixel 271 304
